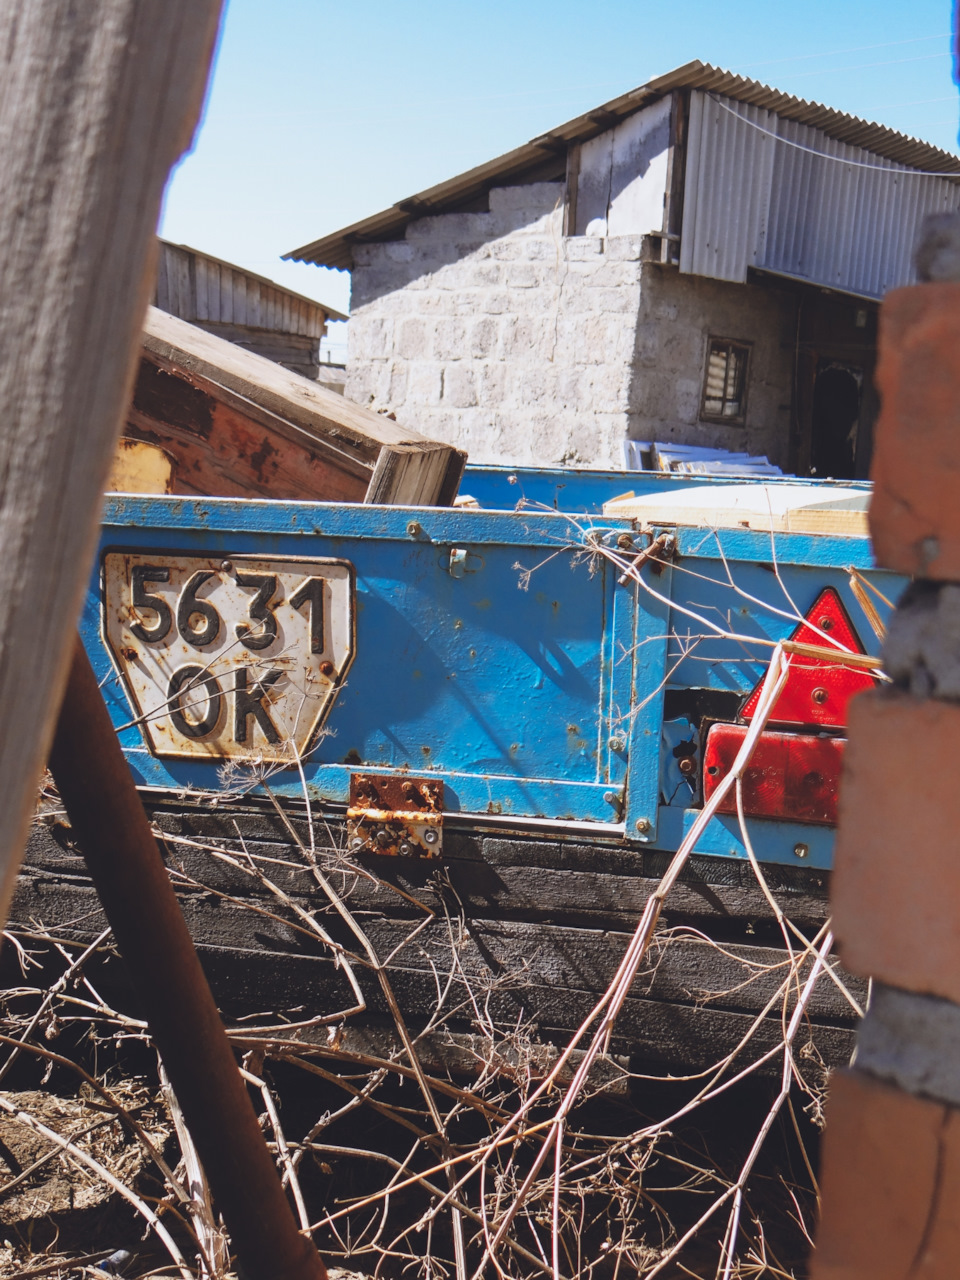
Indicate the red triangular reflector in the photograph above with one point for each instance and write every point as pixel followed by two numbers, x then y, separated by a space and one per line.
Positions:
pixel 817 691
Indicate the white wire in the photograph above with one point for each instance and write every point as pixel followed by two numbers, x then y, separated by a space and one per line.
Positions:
pixel 857 48
pixel 894 167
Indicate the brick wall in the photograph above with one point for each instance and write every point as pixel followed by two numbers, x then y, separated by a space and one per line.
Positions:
pixel 890 1173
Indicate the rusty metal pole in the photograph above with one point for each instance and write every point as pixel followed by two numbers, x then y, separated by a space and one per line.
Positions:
pixel 114 835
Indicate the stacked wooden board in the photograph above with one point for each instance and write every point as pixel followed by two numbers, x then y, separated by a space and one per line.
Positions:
pixel 235 424
pixel 769 508
pixel 545 923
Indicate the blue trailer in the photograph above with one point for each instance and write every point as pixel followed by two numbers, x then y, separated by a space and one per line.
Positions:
pixel 509 714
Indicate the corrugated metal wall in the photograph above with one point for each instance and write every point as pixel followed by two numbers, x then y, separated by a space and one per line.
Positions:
pixel 843 218
pixel 197 288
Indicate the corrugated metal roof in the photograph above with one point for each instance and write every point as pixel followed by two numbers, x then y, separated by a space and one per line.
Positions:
pixel 538 157
pixel 784 196
pixel 196 286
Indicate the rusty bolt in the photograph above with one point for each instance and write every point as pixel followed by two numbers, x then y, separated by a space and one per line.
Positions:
pixel 801 850
pixel 226 566
pixel 383 839
pixel 625 542
pixel 414 528
pixel 643 825
pixel 326 669
pixel 687 765
pixel 825 624
pixel 820 696
pixel 405 850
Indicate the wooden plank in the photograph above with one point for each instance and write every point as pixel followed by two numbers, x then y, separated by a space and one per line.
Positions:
pixel 96 103
pixel 201 275
pixel 163 282
pixel 462 1053
pixel 406 467
pixel 205 358
pixel 214 290
pixel 488 889
pixel 221 450
pixel 547 922
pixel 572 183
pixel 661 1037
pixel 676 165
pixel 356 456
pixel 416 476
pixel 317 312
pixel 593 885
pixel 682 968
pixel 653 1034
pixel 529 959
pixel 278 972
pixel 778 508
pixel 186 305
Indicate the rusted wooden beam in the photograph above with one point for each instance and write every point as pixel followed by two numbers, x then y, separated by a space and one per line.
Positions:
pixel 112 830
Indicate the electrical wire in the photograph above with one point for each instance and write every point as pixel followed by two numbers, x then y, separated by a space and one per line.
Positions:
pixel 858 48
pixel 893 166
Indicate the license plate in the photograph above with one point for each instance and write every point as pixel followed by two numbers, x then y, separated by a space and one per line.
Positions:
pixel 236 658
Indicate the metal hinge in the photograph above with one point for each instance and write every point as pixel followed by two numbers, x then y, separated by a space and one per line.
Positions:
pixel 395 816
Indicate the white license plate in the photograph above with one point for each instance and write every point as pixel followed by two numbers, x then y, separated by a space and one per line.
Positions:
pixel 235 658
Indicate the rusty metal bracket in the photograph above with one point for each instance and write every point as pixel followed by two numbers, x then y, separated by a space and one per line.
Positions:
pixel 111 827
pixel 399 817
pixel 659 550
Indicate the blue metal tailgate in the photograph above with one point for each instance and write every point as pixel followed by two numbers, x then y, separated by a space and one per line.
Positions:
pixel 488 650
pixel 498 652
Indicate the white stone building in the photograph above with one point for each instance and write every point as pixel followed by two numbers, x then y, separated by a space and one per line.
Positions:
pixel 699 261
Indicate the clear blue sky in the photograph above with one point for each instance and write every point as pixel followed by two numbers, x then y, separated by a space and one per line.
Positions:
pixel 321 113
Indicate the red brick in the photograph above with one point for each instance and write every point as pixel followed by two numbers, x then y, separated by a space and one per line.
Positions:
pixel 915 514
pixel 890 1185
pixel 896 882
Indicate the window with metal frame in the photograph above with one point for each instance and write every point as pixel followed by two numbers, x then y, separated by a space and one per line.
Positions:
pixel 725 382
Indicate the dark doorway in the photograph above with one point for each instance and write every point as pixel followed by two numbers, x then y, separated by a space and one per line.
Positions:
pixel 836 416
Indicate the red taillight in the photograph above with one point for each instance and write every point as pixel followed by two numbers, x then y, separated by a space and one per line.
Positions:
pixel 817 691
pixel 792 776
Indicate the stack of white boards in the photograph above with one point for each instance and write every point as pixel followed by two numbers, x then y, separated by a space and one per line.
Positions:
pixel 769 508
pixel 643 455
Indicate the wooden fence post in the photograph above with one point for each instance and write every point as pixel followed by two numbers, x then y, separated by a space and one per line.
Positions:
pixel 97 102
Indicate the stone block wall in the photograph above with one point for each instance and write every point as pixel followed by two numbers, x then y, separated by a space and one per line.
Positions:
pixel 496 333
pixel 678 316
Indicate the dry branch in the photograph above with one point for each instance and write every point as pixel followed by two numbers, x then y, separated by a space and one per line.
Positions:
pixel 516 1173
